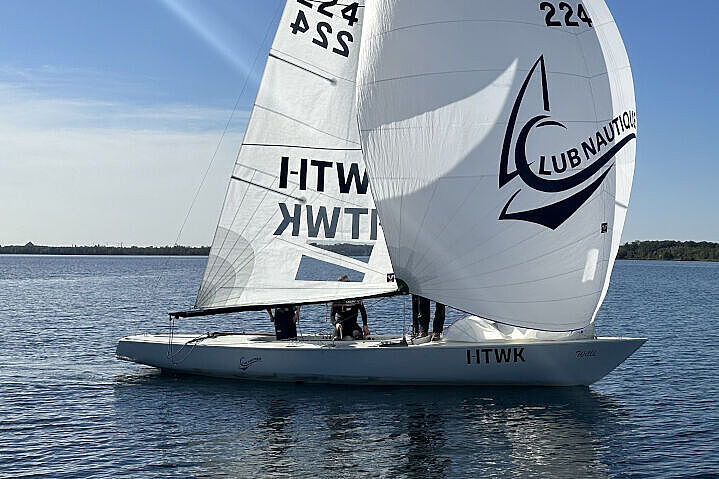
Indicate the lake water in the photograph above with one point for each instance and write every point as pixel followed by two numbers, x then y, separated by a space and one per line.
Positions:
pixel 68 408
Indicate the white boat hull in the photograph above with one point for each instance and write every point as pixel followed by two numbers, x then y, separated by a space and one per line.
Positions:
pixel 260 357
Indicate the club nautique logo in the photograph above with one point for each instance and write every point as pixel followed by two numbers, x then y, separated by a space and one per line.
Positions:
pixel 591 155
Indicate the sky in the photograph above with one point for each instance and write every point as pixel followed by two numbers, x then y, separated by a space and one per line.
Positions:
pixel 111 112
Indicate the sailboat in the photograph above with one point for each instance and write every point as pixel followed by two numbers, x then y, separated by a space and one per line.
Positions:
pixel 484 151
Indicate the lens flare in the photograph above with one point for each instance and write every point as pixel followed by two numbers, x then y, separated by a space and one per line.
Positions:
pixel 201 27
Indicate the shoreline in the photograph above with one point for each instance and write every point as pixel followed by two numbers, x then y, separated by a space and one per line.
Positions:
pixel 687 251
pixel 53 255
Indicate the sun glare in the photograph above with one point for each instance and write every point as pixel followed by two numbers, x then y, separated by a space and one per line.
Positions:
pixel 201 25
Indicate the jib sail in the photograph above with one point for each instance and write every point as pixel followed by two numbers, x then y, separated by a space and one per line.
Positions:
pixel 300 183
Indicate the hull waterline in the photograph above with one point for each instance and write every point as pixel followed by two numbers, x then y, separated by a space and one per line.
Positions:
pixel 377 362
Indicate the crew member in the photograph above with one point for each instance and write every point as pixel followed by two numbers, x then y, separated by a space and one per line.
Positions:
pixel 438 323
pixel 285 319
pixel 420 316
pixel 344 317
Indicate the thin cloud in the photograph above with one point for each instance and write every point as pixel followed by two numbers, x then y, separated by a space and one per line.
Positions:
pixel 78 171
pixel 23 108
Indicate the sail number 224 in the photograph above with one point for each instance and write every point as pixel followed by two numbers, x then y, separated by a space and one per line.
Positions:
pixel 565 16
pixel 323 30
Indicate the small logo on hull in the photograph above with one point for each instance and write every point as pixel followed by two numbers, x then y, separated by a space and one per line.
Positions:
pixel 245 363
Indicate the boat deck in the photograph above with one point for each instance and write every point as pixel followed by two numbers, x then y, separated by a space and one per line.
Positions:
pixel 267 340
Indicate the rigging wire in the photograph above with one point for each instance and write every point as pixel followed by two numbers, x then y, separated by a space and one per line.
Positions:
pixel 172 356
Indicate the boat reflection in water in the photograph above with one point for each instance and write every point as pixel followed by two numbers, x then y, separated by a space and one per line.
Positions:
pixel 205 426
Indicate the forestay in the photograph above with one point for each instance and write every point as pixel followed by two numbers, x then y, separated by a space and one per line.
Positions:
pixel 500 139
pixel 300 182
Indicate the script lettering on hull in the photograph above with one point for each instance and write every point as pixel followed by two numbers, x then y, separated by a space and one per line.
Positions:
pixel 245 363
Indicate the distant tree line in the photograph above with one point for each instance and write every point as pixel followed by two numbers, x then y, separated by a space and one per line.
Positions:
pixel 638 250
pixel 98 250
pixel 670 251
pixel 346 249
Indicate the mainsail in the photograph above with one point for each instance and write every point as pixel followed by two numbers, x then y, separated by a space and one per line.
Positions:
pixel 299 183
pixel 500 140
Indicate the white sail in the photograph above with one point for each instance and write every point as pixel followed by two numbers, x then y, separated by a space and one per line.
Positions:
pixel 300 178
pixel 500 139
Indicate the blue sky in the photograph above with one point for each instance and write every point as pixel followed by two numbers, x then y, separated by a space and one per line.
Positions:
pixel 110 112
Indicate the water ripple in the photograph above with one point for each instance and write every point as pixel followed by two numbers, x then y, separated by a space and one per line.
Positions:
pixel 69 409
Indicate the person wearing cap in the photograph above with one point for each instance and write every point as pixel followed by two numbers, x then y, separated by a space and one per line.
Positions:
pixel 285 319
pixel 344 317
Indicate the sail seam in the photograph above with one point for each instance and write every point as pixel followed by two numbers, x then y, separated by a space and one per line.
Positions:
pixel 456 212
pixel 305 124
pixel 480 70
pixel 424 218
pixel 500 123
pixel 490 212
pixel 534 301
pixel 521 263
pixel 518 283
pixel 467 20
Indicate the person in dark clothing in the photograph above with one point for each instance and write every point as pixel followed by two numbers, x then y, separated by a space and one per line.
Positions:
pixel 438 323
pixel 285 319
pixel 420 316
pixel 344 317
pixel 415 315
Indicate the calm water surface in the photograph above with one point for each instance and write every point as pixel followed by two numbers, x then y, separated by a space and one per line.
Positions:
pixel 68 408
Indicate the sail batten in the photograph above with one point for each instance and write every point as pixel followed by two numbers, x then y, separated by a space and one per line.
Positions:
pixel 300 176
pixel 301 147
pixel 308 70
pixel 500 141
